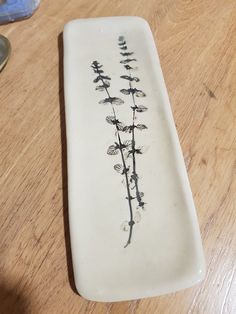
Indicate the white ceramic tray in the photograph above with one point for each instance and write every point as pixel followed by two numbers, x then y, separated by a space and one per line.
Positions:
pixel 133 226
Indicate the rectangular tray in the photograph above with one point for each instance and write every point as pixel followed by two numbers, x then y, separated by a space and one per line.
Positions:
pixel 133 226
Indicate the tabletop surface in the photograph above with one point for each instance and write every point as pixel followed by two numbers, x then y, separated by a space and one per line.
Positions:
pixel 197 46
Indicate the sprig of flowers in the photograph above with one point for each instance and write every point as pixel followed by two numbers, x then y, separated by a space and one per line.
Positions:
pixel 119 146
pixel 134 93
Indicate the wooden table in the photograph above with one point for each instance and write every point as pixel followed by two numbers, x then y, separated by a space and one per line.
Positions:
pixel 197 46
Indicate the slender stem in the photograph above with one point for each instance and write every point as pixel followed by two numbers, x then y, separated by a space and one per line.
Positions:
pixel 131 222
pixel 135 175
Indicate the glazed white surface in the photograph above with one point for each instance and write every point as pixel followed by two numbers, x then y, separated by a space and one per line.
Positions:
pixel 165 254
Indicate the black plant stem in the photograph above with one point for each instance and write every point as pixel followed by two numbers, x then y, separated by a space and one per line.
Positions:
pixel 135 175
pixel 131 222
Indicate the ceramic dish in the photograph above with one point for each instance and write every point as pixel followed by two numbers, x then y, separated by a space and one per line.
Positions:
pixel 133 225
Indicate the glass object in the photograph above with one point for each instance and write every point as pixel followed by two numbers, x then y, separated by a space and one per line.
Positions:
pixel 12 10
pixel 5 49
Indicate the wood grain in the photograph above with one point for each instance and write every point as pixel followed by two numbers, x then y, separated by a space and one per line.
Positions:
pixel 197 46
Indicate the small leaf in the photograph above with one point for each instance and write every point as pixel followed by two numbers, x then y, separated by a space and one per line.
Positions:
pixel 126 54
pixel 100 88
pixel 128 128
pixel 101 78
pixel 128 67
pixel 119 168
pixel 127 61
pixel 111 100
pixel 104 86
pixel 125 91
pixel 130 78
pixel 124 48
pixel 122 43
pixel 117 101
pixel 135 151
pixel 110 119
pixel 141 204
pixel 104 101
pixel 134 78
pixel 105 77
pixel 141 194
pixel 96 65
pixel 122 146
pixel 98 71
pixel 112 150
pixel 120 126
pixel 139 93
pixel 128 143
pixel 133 91
pixel 97 79
pixel 141 108
pixel 141 127
pixel 130 152
pixel 126 77
pixel 138 151
pixel 134 176
pixel 130 198
pixel 121 38
pixel 141 149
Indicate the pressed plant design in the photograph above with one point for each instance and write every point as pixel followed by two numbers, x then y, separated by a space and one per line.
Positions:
pixel 126 148
pixel 133 92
